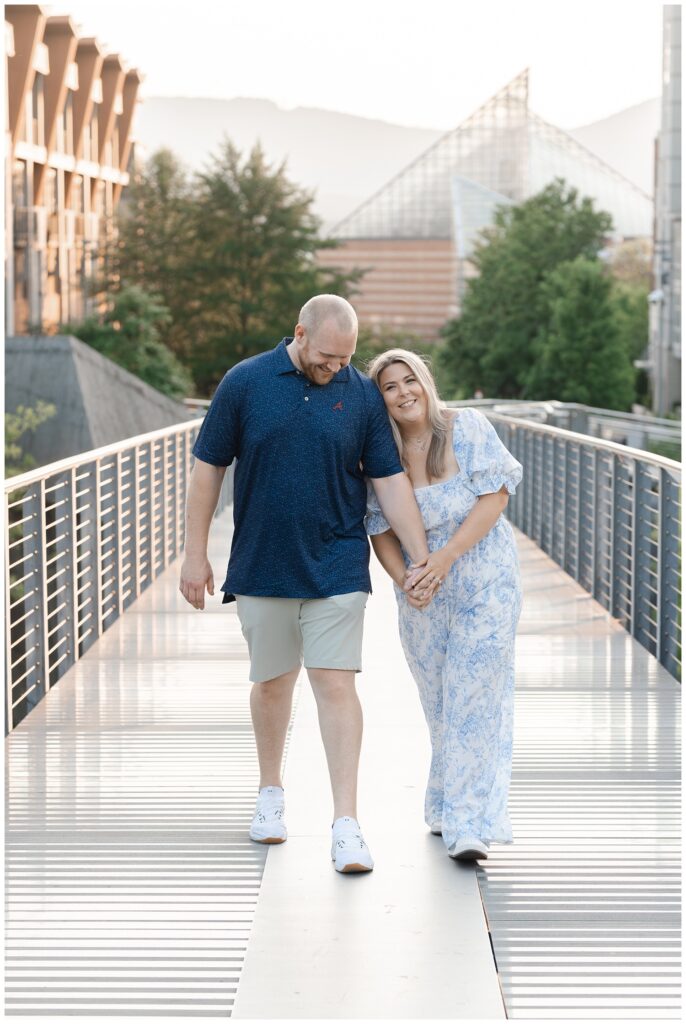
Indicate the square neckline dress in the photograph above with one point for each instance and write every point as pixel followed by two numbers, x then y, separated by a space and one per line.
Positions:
pixel 460 648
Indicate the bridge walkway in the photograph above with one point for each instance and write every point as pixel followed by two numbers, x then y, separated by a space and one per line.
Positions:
pixel 134 890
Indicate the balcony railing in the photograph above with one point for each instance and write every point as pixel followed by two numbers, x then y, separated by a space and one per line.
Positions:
pixel 609 516
pixel 84 537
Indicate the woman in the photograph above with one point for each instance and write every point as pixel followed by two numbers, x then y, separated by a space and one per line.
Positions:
pixel 457 627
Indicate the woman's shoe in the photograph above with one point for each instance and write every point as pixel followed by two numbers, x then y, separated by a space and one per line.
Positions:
pixel 436 829
pixel 468 848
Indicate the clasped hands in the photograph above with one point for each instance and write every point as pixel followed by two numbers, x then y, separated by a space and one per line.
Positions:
pixel 422 579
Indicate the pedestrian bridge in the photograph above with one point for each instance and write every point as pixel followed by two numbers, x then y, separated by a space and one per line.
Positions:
pixel 133 889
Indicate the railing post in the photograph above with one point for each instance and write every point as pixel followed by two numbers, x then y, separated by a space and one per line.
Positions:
pixel 62 587
pixel 119 530
pixel 89 552
pixel 595 498
pixel 135 515
pixel 151 509
pixel 668 572
pixel 42 530
pixel 565 503
pixel 98 547
pixel 178 494
pixel 165 509
pixel 612 533
pixel 9 713
pixel 74 565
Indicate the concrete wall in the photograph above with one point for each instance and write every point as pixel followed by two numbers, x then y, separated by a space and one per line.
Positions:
pixel 97 401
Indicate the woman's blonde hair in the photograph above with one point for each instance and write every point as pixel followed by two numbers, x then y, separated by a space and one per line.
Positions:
pixel 439 417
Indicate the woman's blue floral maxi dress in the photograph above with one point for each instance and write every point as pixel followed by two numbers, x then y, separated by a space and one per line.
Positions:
pixel 460 648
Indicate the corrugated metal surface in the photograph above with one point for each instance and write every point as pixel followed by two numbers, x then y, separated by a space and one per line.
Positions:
pixel 132 886
pixel 583 908
pixel 131 881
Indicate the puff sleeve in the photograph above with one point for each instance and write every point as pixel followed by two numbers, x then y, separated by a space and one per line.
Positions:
pixel 374 521
pixel 487 463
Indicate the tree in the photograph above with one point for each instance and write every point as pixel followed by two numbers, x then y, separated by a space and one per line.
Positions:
pixel 491 345
pixel 156 235
pixel 17 423
pixel 580 354
pixel 129 334
pixel 252 264
pixel 632 320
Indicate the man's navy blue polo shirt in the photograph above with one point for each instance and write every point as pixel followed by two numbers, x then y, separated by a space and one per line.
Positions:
pixel 302 453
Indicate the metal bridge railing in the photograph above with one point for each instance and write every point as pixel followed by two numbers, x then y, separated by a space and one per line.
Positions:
pixel 633 429
pixel 83 538
pixel 609 516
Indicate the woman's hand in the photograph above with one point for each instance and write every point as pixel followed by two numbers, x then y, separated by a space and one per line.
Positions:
pixel 434 571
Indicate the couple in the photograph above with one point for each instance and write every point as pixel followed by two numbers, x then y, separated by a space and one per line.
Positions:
pixel 323 452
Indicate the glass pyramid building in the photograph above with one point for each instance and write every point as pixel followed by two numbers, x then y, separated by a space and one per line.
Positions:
pixel 415 236
pixel 502 153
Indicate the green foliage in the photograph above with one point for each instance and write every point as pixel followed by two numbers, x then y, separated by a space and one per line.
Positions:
pixel 631 317
pixel 580 353
pixel 491 345
pixel 231 253
pixel 156 231
pixel 668 449
pixel 371 342
pixel 129 335
pixel 17 423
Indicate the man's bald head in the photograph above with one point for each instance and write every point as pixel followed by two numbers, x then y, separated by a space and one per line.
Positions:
pixel 322 308
pixel 325 337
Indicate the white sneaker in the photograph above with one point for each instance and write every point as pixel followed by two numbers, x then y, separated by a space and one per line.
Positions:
pixel 468 848
pixel 348 848
pixel 268 825
pixel 436 829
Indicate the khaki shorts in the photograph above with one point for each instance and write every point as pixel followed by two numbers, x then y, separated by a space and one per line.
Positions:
pixel 282 631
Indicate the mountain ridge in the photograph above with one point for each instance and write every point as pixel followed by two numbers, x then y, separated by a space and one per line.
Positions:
pixel 344 158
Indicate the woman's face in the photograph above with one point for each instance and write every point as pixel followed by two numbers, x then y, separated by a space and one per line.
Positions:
pixel 404 396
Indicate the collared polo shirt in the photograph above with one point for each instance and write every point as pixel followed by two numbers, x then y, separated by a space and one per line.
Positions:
pixel 302 452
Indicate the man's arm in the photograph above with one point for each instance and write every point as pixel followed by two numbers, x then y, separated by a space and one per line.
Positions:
pixel 201 501
pixel 397 501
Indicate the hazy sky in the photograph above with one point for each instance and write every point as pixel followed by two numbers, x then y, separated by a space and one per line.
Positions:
pixel 428 63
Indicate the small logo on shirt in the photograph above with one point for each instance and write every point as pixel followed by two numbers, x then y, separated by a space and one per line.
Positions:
pixel 338 407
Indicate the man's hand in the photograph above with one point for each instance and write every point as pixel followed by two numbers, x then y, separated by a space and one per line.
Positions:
pixel 423 580
pixel 196 574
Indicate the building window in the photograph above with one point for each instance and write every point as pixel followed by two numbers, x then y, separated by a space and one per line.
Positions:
pixel 37 135
pixel 20 184
pixel 93 154
pixel 64 141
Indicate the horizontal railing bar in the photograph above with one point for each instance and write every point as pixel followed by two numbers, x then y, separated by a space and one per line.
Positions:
pixel 56 486
pixel 54 647
pixel 24 597
pixel 59 624
pixel 15 583
pixel 26 519
pixel 96 454
pixel 587 441
pixel 18 561
pixel 20 639
pixel 24 656
pixel 15 682
pixel 18 622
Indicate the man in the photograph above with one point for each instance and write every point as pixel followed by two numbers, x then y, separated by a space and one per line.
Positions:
pixel 305 428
